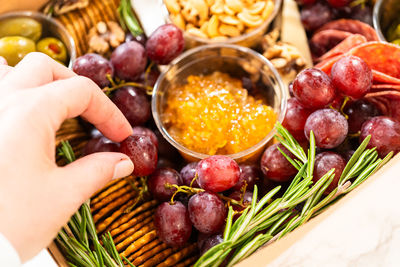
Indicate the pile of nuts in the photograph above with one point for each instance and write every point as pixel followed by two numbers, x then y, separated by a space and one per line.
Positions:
pixel 285 57
pixel 219 19
pixel 104 36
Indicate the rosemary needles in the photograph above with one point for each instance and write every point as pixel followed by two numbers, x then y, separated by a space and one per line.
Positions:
pixel 271 218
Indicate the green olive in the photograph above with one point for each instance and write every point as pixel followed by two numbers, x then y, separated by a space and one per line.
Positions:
pixel 396 42
pixel 14 48
pixel 25 27
pixel 53 47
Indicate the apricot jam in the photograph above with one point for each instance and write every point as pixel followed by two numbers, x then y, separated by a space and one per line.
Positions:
pixel 214 114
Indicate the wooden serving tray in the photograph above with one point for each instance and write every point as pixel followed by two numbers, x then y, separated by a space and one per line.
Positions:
pixel 134 232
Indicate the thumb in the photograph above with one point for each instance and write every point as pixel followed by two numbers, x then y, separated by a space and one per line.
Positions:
pixel 90 173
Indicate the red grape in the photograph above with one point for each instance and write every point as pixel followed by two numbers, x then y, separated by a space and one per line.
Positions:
pixel 95 67
pixel 326 161
pixel 143 153
pixel 201 239
pixel 385 134
pixel 165 149
pixel 187 175
pixel 210 242
pixel 348 154
pixel 275 166
pixel 315 16
pixel 295 118
pixel 133 103
pixel 337 102
pixel 165 44
pixel 290 87
pixel 352 76
pixel 305 2
pixel 217 173
pixel 338 3
pixel 100 144
pixel 362 13
pixel 164 162
pixel 249 175
pixel 172 224
pixel 394 106
pixel 358 112
pixel 149 79
pixel 129 60
pixel 313 88
pixel 207 212
pixel 141 39
pixel 138 130
pixel 237 195
pixel 157 183
pixel 329 126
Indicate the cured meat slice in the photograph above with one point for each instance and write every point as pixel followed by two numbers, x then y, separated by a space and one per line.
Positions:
pixel 380 56
pixel 353 26
pixel 323 41
pixel 380 77
pixel 350 42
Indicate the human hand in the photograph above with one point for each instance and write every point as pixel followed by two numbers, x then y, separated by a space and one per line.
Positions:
pixel 36 197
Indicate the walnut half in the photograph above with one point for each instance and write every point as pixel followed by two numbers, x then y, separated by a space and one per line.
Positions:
pixel 285 57
pixel 104 36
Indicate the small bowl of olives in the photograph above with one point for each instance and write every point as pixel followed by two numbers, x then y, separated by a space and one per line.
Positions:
pixel 27 31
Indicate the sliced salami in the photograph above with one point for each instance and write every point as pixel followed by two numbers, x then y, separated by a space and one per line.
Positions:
pixel 380 77
pixel 353 40
pixel 353 26
pixel 380 56
pixel 323 41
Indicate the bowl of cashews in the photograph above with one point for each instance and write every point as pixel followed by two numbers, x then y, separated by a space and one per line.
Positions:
pixel 241 22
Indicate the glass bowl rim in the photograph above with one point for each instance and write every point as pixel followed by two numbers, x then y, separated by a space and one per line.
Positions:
pixel 238 155
pixel 376 13
pixel 229 40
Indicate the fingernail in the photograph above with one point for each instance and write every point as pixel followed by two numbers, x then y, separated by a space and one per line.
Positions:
pixel 123 168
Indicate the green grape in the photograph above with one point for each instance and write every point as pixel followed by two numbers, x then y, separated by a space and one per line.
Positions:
pixel 14 48
pixel 54 48
pixel 25 27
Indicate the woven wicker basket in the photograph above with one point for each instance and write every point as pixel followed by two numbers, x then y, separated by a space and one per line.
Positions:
pixel 133 232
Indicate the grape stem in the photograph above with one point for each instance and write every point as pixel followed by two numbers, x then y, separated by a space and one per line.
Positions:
pixel 358 2
pixel 117 85
pixel 194 179
pixel 346 99
pixel 108 90
pixel 146 77
pixel 191 191
pixel 142 190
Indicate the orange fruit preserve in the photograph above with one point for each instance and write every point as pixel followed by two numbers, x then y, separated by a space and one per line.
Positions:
pixel 214 114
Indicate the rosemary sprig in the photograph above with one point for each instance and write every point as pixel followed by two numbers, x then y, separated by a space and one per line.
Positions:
pixel 79 240
pixel 128 19
pixel 277 217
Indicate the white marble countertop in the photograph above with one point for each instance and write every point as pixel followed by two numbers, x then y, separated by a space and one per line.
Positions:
pixel 363 229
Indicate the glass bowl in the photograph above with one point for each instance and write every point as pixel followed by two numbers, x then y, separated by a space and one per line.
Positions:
pixel 384 13
pixel 238 62
pixel 50 28
pixel 250 39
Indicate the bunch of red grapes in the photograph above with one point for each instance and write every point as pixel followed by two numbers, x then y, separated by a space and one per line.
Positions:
pixel 205 210
pixel 128 63
pixel 318 105
pixel 316 13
